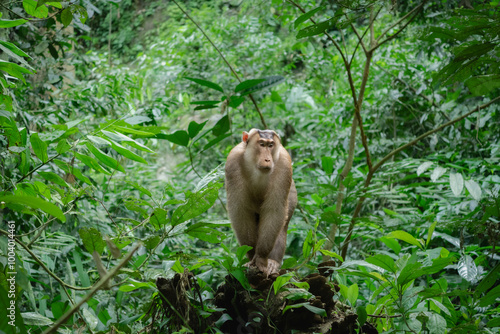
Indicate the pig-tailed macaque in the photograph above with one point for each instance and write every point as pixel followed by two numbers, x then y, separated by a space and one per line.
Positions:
pixel 261 197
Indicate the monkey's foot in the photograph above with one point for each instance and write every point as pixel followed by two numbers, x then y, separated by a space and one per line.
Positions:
pixel 272 267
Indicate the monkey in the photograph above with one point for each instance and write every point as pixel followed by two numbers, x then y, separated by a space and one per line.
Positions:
pixel 261 197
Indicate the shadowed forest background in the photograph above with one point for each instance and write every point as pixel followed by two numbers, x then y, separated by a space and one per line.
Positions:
pixel 116 118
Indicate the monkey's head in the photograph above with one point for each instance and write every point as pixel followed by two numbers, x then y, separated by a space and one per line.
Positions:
pixel 262 148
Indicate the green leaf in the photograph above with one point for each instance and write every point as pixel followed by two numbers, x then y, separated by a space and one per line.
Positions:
pixel 91 163
pixel 177 267
pixel 140 188
pixel 318 28
pixel 236 101
pixel 352 294
pixel 66 16
pixel 179 137
pixel 490 297
pixel 280 282
pixel 196 204
pixel 53 177
pixel 159 218
pixel 488 281
pixel 241 277
pixel 405 236
pixel 12 23
pixel 151 242
pixel 104 158
pixel 429 234
pixel 331 254
pixel 14 49
pixel 250 86
pixel 14 70
pixel 92 240
pixel 30 6
pixel 409 273
pixel 327 164
pixel 215 141
pixel 456 183
pixel 483 84
pixel 35 203
pixel 133 131
pixel 206 232
pixel 304 17
pixel 221 127
pixel 307 305
pixel 362 314
pixel 383 261
pixel 127 153
pixel 206 84
pixel 63 146
pixel 39 147
pixel 495 322
pixel 474 189
pixel 195 128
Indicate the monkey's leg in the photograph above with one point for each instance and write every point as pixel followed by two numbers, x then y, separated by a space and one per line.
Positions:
pixel 245 227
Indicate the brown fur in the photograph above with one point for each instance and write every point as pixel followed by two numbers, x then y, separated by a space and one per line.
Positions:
pixel 261 197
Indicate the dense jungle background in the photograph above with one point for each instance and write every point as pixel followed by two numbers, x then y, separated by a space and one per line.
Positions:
pixel 116 118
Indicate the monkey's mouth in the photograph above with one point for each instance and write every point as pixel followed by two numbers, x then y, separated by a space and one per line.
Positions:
pixel 265 169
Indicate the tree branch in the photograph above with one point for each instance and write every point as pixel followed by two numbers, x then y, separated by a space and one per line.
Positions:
pixel 98 286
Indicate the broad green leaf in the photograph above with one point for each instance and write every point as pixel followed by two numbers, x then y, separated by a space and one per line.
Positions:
pixel 473 50
pixel 313 309
pixel 151 242
pixel 407 237
pixel 206 232
pixel 35 203
pixel 104 158
pixel 383 261
pixel 221 127
pixel 456 183
pixel 195 128
pixel 467 268
pixel 423 167
pixel 79 12
pixel 179 137
pixel 352 294
pixel 437 173
pixel 327 164
pixel 392 244
pixel 92 240
pixel 117 136
pixel 138 119
pixel 39 147
pixel 318 28
pixel 474 189
pixel 298 294
pixel 331 254
pixel 159 218
pixel 12 23
pixel 30 6
pixel 206 84
pixel 127 153
pixel 195 204
pixel 132 285
pixel 280 282
pixel 215 141
pixel 409 273
pixel 241 277
pixel 495 322
pixel 14 70
pixel 304 17
pixel 436 323
pixel 66 17
pixel 63 146
pixel 488 281
pixel 236 101
pixel 483 84
pixel 205 103
pixel 253 85
pixel 429 234
pixel 53 177
pixel 362 314
pixel 490 297
pixel 177 267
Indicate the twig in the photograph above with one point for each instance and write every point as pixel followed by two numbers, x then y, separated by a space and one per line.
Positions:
pixel 225 60
pixel 33 170
pixel 96 287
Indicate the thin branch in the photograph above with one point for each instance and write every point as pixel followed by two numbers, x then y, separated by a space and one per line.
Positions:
pixel 98 286
pixel 33 170
pixel 225 60
pixel 416 9
pixel 28 18
pixel 359 102
pixel 40 262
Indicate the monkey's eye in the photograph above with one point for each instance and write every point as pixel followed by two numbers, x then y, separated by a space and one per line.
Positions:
pixel 262 144
pixel 271 145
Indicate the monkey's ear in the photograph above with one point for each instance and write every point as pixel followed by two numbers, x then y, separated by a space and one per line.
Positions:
pixel 245 136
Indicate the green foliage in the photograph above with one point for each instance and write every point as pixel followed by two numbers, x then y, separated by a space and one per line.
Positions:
pixel 106 147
